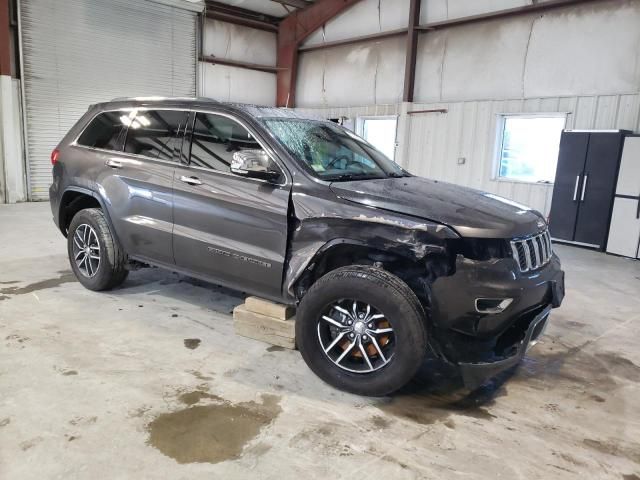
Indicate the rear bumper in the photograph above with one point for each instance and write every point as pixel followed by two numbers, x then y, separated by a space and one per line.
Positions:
pixel 475 374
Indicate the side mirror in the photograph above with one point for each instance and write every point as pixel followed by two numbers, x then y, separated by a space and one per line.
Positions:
pixel 254 164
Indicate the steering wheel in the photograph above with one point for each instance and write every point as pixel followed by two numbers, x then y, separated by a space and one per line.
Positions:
pixel 349 161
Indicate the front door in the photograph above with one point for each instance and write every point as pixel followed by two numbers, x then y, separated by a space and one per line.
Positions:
pixel 230 229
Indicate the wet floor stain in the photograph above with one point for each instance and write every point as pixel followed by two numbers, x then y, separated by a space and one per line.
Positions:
pixel 379 422
pixel 65 277
pixel 69 372
pixel 630 476
pixel 211 433
pixel 192 343
pixel 629 450
pixel 275 348
pixel 437 392
pixel 191 398
pixel 9 282
pixel 199 375
pixel 600 372
pixel 4 297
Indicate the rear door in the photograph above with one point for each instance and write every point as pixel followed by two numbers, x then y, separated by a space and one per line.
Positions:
pixel 137 181
pixel 228 228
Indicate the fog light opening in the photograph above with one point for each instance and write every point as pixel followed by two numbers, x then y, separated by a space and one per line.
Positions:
pixel 492 305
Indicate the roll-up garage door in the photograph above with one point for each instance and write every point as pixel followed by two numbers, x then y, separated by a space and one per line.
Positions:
pixel 80 52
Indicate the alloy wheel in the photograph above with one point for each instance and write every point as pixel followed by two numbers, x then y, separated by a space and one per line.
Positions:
pixel 86 250
pixel 355 336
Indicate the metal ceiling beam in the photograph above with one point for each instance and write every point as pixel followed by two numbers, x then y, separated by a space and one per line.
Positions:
pixel 293 3
pixel 411 52
pixel 538 7
pixel 236 63
pixel 363 38
pixel 509 12
pixel 292 31
pixel 241 16
pixel 5 39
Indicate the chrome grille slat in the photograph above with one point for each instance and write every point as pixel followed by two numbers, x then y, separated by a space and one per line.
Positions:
pixel 532 252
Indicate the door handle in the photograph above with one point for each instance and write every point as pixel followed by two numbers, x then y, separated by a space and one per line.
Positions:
pixel 575 189
pixel 113 163
pixel 191 180
pixel 584 187
pixel 638 209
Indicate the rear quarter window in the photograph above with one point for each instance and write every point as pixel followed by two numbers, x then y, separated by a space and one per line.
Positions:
pixel 104 131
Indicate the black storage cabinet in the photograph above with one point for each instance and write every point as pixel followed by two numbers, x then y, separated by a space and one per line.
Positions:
pixel 585 185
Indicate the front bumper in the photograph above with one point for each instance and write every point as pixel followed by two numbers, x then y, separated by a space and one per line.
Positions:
pixel 484 344
pixel 475 374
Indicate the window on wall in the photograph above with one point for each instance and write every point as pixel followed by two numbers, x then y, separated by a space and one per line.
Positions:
pixel 379 132
pixel 528 147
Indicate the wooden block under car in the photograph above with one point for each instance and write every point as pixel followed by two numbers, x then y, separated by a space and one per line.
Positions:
pixel 270 309
pixel 266 329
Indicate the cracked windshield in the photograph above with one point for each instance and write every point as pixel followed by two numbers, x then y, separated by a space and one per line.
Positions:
pixel 331 152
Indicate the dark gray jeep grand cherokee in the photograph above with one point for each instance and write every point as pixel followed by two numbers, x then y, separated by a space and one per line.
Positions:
pixel 382 265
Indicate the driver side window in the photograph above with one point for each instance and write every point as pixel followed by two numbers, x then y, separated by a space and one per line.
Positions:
pixel 215 139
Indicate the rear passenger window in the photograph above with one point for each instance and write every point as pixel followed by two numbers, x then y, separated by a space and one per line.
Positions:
pixel 104 131
pixel 215 139
pixel 155 133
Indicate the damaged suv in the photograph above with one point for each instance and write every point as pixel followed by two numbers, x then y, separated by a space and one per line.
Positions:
pixel 383 266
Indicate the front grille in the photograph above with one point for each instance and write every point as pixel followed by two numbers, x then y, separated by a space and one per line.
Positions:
pixel 532 252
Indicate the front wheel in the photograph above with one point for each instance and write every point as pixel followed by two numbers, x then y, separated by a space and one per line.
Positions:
pixel 94 254
pixel 362 330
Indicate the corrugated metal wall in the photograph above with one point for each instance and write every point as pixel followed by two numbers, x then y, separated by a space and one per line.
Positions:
pixel 434 141
pixel 80 52
pixel 233 84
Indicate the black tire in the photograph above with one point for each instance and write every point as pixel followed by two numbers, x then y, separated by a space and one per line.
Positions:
pixel 387 294
pixel 110 271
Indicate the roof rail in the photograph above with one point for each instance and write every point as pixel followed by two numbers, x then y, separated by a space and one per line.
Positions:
pixel 159 98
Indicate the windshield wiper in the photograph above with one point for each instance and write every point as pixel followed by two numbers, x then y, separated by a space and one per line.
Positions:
pixel 345 177
pixel 397 174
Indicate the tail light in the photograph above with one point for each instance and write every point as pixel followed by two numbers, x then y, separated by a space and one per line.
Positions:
pixel 54 156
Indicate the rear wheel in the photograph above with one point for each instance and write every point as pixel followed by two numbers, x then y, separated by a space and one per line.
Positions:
pixel 362 330
pixel 94 254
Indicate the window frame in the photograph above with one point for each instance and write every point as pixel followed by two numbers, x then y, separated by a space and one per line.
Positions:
pixel 359 130
pixel 126 130
pixel 186 142
pixel 181 134
pixel 188 138
pixel 501 120
pixel 121 135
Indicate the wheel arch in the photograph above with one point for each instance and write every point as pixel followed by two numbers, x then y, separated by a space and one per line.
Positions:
pixel 75 199
pixel 340 252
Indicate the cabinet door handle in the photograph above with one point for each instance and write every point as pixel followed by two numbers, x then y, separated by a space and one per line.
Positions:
pixel 584 187
pixel 575 189
pixel 191 180
pixel 638 209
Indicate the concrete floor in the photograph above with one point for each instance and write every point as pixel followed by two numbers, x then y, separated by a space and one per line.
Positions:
pixel 149 381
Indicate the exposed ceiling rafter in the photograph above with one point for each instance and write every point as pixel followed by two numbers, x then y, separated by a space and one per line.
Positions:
pixel 292 31
pixel 240 16
pixel 293 3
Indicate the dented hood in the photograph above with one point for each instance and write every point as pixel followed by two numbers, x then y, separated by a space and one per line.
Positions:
pixel 471 213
